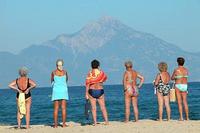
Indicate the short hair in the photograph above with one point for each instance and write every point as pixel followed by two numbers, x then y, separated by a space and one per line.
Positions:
pixel 180 61
pixel 95 64
pixel 162 66
pixel 59 60
pixel 23 71
pixel 128 63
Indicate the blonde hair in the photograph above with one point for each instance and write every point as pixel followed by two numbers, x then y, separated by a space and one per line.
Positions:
pixel 23 71
pixel 128 63
pixel 162 66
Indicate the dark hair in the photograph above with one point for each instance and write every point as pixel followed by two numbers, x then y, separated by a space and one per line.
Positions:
pixel 95 64
pixel 180 61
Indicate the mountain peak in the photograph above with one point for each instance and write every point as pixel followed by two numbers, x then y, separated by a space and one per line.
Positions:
pixel 109 20
pixel 97 34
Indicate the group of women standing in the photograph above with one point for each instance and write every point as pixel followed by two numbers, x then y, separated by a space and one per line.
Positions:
pixel 95 92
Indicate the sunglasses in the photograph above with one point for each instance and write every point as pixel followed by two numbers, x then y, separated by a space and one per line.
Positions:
pixel 128 66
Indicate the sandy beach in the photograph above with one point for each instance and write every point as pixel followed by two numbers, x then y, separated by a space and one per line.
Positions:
pixel 143 126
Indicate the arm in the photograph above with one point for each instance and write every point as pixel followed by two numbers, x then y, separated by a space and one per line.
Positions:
pixel 124 80
pixel 66 76
pixel 52 77
pixel 87 87
pixel 13 86
pixel 32 84
pixel 141 80
pixel 86 92
pixel 173 75
pixel 187 72
pixel 157 79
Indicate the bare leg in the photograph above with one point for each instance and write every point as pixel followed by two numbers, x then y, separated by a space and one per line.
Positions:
pixel 179 101
pixel 63 106
pixel 185 103
pixel 18 116
pixel 135 107
pixel 93 105
pixel 160 105
pixel 28 110
pixel 101 102
pixel 167 105
pixel 127 107
pixel 55 115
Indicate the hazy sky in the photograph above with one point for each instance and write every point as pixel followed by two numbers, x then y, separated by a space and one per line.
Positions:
pixel 24 22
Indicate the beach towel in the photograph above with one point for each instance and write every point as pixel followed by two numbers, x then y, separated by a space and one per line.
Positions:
pixel 60 88
pixel 22 105
pixel 95 76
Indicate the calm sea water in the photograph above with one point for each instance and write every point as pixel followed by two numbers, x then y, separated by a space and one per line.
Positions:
pixel 42 107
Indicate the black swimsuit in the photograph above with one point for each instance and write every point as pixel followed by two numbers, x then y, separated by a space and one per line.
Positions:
pixel 26 95
pixel 163 88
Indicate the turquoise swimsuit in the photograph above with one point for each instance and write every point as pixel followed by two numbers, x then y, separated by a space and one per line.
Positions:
pixel 60 89
pixel 181 87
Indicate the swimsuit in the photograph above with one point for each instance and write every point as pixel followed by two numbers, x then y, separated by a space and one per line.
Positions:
pixel 133 90
pixel 163 88
pixel 96 93
pixel 181 87
pixel 60 89
pixel 26 95
pixel 181 76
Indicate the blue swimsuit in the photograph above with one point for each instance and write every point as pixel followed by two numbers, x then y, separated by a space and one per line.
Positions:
pixel 96 93
pixel 60 89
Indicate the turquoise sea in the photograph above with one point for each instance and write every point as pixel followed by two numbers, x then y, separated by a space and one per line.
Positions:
pixel 42 107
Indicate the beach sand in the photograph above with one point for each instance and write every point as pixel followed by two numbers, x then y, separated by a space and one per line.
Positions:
pixel 143 126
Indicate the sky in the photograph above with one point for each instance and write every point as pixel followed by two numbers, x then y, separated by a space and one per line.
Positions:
pixel 23 22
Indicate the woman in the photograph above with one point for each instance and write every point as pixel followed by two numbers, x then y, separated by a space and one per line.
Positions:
pixel 94 90
pixel 131 90
pixel 59 80
pixel 180 76
pixel 163 90
pixel 23 85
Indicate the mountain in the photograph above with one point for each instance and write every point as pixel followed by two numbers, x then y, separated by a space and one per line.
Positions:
pixel 107 40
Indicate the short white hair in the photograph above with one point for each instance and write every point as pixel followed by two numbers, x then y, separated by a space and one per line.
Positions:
pixel 23 71
pixel 59 60
pixel 128 63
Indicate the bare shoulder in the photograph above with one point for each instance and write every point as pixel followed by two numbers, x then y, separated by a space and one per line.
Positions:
pixel 125 73
pixel 53 72
pixel 186 69
pixel 137 73
pixel 31 81
pixel 14 81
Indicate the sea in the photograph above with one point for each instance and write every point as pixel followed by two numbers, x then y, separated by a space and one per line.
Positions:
pixel 42 106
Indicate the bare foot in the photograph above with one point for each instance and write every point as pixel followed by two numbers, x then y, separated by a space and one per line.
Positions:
pixel 180 119
pixel 94 124
pixel 106 123
pixel 27 127
pixel 135 120
pixel 55 126
pixel 126 121
pixel 65 125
